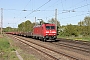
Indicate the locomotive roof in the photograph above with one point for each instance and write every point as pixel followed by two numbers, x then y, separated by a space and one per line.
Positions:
pixel 37 26
pixel 41 25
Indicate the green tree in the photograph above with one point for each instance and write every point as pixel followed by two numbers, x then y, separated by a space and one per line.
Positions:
pixel 71 30
pixel 25 26
pixel 53 21
pixel 85 26
pixel 87 21
pixel 8 29
pixel 21 27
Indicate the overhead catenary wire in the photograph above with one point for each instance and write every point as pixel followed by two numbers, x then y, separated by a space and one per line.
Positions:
pixel 77 4
pixel 87 6
pixel 24 10
pixel 36 9
pixel 74 16
pixel 62 4
pixel 45 10
pixel 69 11
pixel 27 4
pixel 39 7
pixel 82 6
pixel 53 4
pixel 74 10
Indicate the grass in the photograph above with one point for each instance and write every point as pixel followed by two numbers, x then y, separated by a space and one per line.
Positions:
pixel 84 38
pixel 6 51
pixel 26 56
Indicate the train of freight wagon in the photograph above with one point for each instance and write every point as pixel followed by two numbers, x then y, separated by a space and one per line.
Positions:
pixel 42 32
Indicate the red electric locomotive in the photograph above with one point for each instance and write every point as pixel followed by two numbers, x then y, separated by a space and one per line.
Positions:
pixel 45 32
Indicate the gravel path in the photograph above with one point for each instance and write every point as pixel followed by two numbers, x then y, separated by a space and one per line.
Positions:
pixel 18 55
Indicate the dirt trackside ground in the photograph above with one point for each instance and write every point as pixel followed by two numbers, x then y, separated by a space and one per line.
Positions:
pixel 20 53
pixel 1 36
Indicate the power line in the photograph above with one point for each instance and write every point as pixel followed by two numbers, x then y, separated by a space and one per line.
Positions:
pixel 27 4
pixel 74 16
pixel 62 12
pixel 38 8
pixel 25 9
pixel 16 9
pixel 62 4
pixel 73 10
pixel 87 6
pixel 68 11
pixel 77 4
pixel 81 6
pixel 53 4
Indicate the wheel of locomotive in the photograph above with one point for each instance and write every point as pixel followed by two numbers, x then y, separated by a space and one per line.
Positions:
pixel 33 37
pixel 44 39
pixel 37 38
pixel 40 38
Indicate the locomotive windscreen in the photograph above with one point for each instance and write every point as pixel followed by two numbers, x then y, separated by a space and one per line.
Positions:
pixel 50 27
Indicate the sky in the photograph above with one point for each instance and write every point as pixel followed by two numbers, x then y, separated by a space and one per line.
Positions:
pixel 68 11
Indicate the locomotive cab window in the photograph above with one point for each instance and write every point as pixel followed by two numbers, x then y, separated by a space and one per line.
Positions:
pixel 50 27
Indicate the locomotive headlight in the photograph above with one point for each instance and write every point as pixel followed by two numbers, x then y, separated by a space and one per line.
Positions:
pixel 54 34
pixel 46 34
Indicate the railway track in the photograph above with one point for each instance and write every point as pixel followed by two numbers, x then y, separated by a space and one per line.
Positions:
pixel 54 55
pixel 51 53
pixel 74 45
pixel 85 43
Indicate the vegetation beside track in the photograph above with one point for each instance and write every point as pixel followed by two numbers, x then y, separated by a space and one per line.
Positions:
pixel 85 38
pixel 6 51
pixel 8 48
